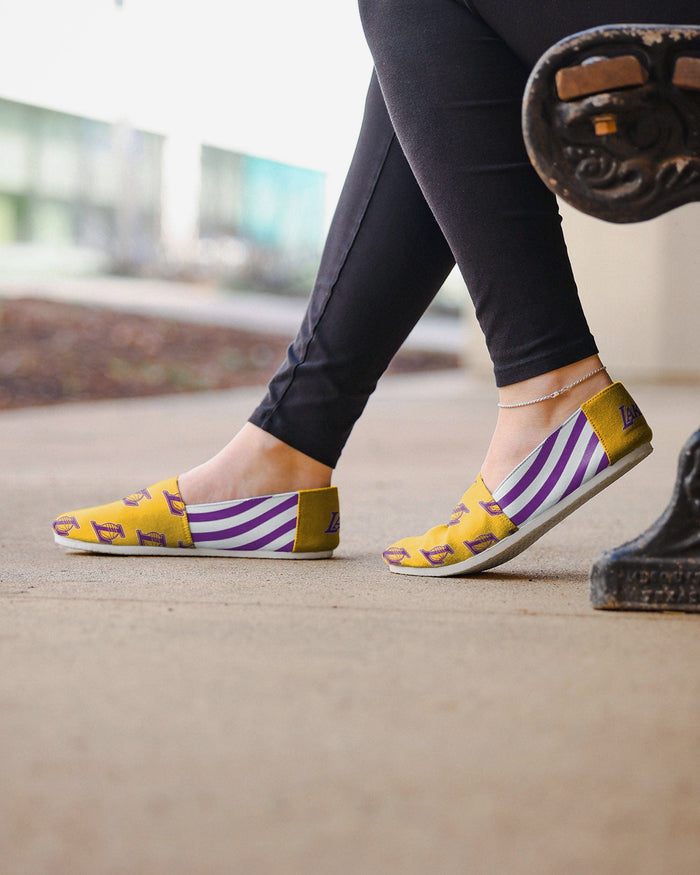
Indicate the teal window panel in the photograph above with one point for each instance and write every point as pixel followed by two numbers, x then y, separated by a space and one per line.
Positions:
pixel 282 206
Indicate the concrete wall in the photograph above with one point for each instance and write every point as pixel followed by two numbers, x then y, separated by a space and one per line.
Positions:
pixel 640 288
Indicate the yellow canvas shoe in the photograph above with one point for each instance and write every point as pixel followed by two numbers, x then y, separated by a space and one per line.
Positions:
pixel 598 443
pixel 155 521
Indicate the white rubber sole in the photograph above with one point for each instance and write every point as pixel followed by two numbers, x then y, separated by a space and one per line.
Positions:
pixel 184 552
pixel 530 531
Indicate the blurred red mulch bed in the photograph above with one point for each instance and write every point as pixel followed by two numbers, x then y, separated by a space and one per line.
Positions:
pixel 52 352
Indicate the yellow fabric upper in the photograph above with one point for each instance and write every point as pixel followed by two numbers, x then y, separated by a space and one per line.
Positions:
pixel 318 520
pixel 617 421
pixel 153 517
pixel 476 524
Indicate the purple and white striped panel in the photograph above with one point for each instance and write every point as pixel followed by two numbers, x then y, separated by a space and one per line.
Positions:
pixel 569 457
pixel 266 523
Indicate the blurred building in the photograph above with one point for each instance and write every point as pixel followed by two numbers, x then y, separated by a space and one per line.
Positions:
pixel 61 179
pixel 74 182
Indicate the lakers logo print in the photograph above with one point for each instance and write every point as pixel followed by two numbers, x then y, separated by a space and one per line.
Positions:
pixel 136 498
pixel 107 532
pixel 630 413
pixel 151 539
pixel 334 524
pixel 491 508
pixel 483 542
pixel 396 555
pixel 438 555
pixel 64 524
pixel 457 514
pixel 176 505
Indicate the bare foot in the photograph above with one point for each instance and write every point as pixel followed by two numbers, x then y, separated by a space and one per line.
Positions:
pixel 253 463
pixel 520 429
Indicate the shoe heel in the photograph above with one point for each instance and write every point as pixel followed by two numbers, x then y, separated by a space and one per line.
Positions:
pixel 617 421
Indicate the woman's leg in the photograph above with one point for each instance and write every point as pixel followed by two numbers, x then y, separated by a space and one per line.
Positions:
pixel 384 261
pixel 453 89
pixel 532 26
pixel 453 83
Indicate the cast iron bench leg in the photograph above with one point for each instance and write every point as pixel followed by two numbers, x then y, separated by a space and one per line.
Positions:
pixel 611 120
pixel 659 570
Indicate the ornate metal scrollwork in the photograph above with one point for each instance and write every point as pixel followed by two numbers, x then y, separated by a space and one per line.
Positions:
pixel 623 142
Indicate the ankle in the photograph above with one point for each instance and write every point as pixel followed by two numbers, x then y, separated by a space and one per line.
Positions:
pixel 520 429
pixel 562 389
pixel 253 463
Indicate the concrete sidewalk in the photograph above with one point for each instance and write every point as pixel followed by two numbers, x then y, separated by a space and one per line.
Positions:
pixel 248 716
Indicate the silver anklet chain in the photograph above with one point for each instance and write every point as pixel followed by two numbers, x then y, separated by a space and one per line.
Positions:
pixel 558 391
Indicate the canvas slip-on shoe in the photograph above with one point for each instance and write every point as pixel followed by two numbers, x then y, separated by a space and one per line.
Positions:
pixel 598 443
pixel 155 521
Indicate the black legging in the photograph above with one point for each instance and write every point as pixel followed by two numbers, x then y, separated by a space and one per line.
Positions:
pixel 440 174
